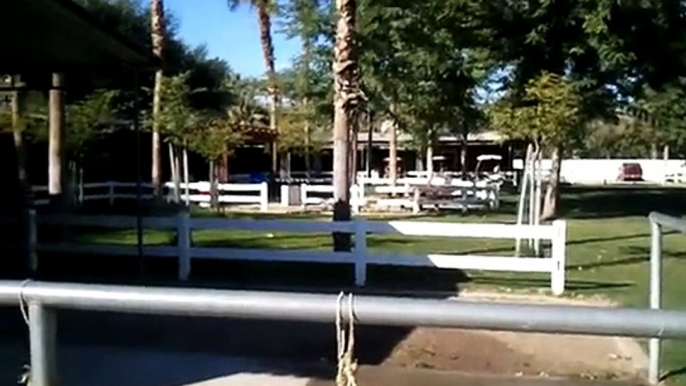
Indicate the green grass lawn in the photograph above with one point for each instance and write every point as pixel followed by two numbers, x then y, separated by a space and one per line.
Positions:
pixel 607 251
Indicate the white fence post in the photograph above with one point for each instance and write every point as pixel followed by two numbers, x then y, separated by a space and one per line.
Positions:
pixel 264 197
pixel 557 277
pixel 81 196
pixel 416 205
pixel 285 195
pixel 354 199
pixel 32 240
pixel 110 193
pixel 360 254
pixel 303 195
pixel 183 239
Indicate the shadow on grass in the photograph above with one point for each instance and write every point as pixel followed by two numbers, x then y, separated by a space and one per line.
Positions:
pixel 606 202
pixel 673 374
pixel 635 255
pixel 604 239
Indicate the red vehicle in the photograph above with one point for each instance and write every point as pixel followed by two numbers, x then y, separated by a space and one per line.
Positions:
pixel 630 172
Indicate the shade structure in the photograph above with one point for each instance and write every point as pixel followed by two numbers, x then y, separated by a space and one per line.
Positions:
pixel 60 35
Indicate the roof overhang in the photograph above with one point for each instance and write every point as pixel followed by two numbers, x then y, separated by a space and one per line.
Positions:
pixel 60 35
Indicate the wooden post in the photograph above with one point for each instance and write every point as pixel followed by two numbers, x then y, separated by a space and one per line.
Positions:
pixel 183 237
pixel 360 252
pixel 110 192
pixel 32 241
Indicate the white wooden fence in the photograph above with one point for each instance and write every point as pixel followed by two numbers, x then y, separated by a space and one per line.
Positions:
pixel 199 192
pixel 98 191
pixel 183 224
pixel 323 195
pixel 466 196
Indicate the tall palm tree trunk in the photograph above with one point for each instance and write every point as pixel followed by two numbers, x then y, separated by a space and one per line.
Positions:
pixel 346 95
pixel 265 24
pixel 56 161
pixel 18 130
pixel 158 46
pixel 306 58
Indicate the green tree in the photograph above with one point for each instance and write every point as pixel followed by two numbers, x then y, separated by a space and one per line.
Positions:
pixel 549 115
pixel 215 137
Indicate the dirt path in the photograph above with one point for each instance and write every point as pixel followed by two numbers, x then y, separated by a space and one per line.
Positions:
pixel 509 353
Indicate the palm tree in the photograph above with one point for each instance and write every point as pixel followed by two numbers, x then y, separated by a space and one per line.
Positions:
pixel 158 46
pixel 56 130
pixel 264 8
pixel 346 97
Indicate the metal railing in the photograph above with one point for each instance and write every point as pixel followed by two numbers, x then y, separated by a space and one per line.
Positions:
pixel 658 223
pixel 42 299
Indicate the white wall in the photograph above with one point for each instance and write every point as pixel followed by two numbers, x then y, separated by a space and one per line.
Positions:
pixel 600 171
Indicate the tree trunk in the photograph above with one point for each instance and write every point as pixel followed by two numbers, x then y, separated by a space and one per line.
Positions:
pixel 346 95
pixel 265 24
pixel 552 193
pixel 306 43
pixel 370 144
pixel 224 168
pixel 177 177
pixel 158 47
pixel 57 175
pixel 214 192
pixel 419 164
pixel 393 149
pixel 186 178
pixel 353 154
pixel 172 165
pixel 430 159
pixel 308 152
pixel 653 150
pixel 464 147
pixel 18 129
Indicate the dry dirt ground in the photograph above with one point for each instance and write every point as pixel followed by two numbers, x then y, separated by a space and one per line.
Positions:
pixel 521 354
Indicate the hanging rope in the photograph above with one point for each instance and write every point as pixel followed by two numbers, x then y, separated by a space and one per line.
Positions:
pixel 347 366
pixel 25 376
pixel 22 301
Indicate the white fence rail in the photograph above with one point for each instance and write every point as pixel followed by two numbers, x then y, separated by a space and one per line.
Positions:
pixel 359 256
pixel 199 192
pixel 323 195
pixel 466 195
pixel 97 191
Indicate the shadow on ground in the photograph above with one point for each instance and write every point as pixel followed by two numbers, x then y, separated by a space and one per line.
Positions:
pixel 594 202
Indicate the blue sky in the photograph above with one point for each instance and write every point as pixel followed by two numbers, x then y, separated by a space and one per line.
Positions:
pixel 232 36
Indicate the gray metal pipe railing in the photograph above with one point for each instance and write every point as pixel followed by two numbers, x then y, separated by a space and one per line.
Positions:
pixel 658 223
pixel 43 298
pixel 375 310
